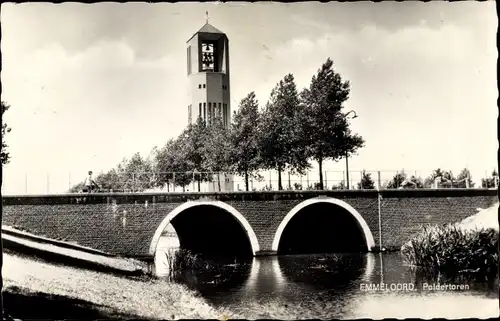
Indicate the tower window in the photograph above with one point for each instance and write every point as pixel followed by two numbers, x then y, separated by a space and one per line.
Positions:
pixel 225 114
pixel 205 111
pixel 189 114
pixel 204 85
pixel 199 110
pixel 189 60
pixel 210 118
pixel 199 86
pixel 208 56
pixel 219 111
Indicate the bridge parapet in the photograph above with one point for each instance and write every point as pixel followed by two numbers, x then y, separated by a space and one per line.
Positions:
pixel 176 197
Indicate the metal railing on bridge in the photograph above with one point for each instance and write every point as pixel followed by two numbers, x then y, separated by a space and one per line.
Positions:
pixel 137 182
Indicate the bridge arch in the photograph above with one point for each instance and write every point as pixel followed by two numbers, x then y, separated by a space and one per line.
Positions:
pixel 221 205
pixel 368 236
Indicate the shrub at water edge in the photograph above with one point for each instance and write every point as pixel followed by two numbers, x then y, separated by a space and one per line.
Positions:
pixel 178 260
pixel 451 250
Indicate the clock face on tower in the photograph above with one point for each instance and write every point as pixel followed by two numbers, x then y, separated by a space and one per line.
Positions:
pixel 208 56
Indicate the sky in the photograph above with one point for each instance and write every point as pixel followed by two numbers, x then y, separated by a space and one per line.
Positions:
pixel 90 84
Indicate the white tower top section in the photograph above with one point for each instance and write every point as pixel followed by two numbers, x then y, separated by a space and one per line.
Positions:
pixel 208 74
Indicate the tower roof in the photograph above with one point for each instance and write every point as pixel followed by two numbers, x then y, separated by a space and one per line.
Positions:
pixel 208 28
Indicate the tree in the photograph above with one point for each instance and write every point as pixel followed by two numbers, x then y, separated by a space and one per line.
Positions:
pixel 366 181
pixel 464 179
pixel 244 155
pixel 182 161
pixel 413 182
pixel 215 149
pixel 5 156
pixel 166 162
pixel 110 180
pixel 444 178
pixel 328 135
pixel 401 180
pixel 137 173
pixel 191 143
pixel 339 186
pixel 281 131
pixel 429 181
pixel 397 180
pixel 489 182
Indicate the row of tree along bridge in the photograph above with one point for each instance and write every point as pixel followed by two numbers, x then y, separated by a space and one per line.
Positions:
pixel 292 129
pixel 125 180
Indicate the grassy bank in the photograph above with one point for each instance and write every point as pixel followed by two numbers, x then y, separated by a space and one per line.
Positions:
pixel 452 249
pixel 62 292
pixel 55 307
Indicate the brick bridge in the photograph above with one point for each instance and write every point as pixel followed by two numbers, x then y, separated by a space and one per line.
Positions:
pixel 255 223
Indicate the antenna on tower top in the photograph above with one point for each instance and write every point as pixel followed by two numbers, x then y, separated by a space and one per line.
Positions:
pixel 206 14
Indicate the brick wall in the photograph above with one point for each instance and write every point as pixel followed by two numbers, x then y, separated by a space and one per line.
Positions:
pixel 405 214
pixel 266 216
pixel 126 229
pixel 124 224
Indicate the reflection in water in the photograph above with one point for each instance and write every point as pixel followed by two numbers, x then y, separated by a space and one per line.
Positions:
pixel 218 282
pixel 334 286
pixel 333 271
pixel 265 276
pixel 370 267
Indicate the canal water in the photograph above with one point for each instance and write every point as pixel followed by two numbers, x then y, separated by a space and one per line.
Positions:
pixel 334 286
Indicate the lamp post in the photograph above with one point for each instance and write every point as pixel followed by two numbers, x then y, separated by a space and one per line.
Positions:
pixel 347 168
pixel 346 152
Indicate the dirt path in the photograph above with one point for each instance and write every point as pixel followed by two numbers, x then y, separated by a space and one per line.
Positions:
pixel 485 218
